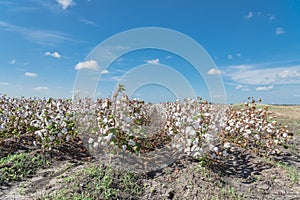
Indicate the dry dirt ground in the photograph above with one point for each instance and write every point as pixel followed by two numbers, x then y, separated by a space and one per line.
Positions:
pixel 241 176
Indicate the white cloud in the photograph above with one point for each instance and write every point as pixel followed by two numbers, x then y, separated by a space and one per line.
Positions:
pixel 66 3
pixel 252 75
pixel 12 61
pixel 89 64
pixel 54 54
pixel 30 74
pixel 249 16
pixel 229 56
pixel 238 55
pixel 242 87
pixel 264 88
pixel 279 31
pixel 41 88
pixel 214 71
pixel 3 83
pixel 154 61
pixel 105 71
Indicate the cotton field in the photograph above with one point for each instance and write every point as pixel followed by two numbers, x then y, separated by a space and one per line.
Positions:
pixel 193 127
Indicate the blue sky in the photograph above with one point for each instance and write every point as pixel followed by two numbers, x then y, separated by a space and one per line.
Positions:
pixel 255 45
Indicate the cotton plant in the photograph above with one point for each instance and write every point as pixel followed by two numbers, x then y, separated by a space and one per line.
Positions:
pixel 50 120
pixel 189 123
pixel 192 126
pixel 253 129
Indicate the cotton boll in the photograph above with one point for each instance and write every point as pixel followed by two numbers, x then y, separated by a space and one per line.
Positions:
pixel 216 149
pixel 227 145
pixel 96 144
pixel 91 140
pixel 256 136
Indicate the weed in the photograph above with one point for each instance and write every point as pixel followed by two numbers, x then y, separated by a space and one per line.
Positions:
pixel 19 166
pixel 98 181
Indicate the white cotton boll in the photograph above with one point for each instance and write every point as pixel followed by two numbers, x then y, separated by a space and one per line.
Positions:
pixel 105 120
pixel 178 147
pixel 206 114
pixel 276 142
pixel 64 131
pixel 170 132
pixel 131 143
pixel 269 130
pixel 196 141
pixel 177 123
pixel 109 136
pixel 227 145
pixel 188 129
pixel 176 114
pixel 68 138
pixel 39 133
pixel 224 153
pixel 189 142
pixel 274 123
pixel 187 150
pixel 256 136
pixel 285 134
pixel 96 144
pixel 1 127
pixel 216 149
pixel 227 128
pixel 124 147
pixel 91 140
pixel 193 148
pixel 246 135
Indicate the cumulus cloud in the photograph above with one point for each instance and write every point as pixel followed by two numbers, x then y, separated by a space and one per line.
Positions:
pixel 89 64
pixel 229 56
pixel 12 61
pixel 213 71
pixel 264 88
pixel 249 15
pixel 41 88
pixel 154 61
pixel 66 3
pixel 54 54
pixel 105 71
pixel 3 83
pixel 30 74
pixel 279 31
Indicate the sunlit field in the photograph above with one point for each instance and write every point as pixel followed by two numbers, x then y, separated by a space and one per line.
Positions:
pixel 65 140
